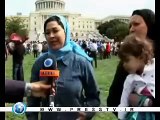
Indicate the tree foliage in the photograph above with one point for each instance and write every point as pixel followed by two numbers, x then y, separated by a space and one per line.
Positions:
pixel 15 25
pixel 114 29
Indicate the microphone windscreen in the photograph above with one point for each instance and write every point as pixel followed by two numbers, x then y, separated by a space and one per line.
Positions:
pixel 50 62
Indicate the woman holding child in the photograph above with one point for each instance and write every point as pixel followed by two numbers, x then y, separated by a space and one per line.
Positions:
pixel 142 26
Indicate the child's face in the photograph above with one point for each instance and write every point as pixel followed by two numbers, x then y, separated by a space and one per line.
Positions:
pixel 133 64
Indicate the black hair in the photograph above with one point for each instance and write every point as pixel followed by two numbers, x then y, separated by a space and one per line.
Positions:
pixel 53 18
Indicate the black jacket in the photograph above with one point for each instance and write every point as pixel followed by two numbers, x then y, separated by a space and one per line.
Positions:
pixel 14 91
pixel 116 88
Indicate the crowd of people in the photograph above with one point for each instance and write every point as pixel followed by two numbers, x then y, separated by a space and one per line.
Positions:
pixel 96 49
pixel 133 83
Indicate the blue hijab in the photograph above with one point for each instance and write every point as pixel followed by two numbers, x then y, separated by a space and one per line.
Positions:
pixel 69 45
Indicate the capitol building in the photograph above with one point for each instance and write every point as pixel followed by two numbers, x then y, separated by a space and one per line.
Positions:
pixel 81 27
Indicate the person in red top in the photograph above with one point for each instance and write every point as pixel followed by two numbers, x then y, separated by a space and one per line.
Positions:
pixel 108 50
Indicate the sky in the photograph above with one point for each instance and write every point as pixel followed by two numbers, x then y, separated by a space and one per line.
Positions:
pixel 92 8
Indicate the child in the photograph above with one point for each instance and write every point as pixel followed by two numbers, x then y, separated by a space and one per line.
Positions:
pixel 137 57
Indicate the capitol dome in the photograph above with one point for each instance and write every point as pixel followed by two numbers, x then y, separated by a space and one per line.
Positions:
pixel 49 5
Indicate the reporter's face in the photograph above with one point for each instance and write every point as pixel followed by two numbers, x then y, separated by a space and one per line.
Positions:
pixel 55 35
pixel 138 26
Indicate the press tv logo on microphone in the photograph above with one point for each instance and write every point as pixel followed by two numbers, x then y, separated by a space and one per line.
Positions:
pixel 19 108
pixel 48 62
pixel 49 65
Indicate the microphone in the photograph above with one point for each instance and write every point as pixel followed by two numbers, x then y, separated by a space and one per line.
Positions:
pixel 50 72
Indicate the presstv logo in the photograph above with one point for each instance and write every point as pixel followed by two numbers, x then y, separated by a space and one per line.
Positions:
pixel 19 108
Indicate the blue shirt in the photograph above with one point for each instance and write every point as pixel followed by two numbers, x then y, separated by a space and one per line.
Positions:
pixel 76 87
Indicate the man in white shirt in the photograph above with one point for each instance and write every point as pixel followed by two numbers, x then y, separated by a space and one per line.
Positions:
pixel 93 48
pixel 39 48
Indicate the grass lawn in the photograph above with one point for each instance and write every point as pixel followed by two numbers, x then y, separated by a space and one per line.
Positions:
pixel 104 75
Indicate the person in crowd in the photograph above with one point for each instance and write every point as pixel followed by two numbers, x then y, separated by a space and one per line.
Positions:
pixel 76 82
pixel 142 25
pixel 137 57
pixel 101 50
pixel 35 50
pixel 108 50
pixel 17 49
pixel 113 48
pixel 104 52
pixel 16 90
pixel 39 48
pixel 29 48
pixel 84 45
pixel 6 52
pixel 25 46
pixel 86 49
pixel 93 48
pixel 44 47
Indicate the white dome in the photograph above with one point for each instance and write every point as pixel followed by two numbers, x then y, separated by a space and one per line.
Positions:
pixel 49 5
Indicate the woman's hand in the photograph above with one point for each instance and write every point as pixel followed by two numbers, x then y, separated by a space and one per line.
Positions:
pixel 134 100
pixel 81 116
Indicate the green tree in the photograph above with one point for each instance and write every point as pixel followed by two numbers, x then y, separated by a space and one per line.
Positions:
pixel 121 31
pixel 114 29
pixel 15 25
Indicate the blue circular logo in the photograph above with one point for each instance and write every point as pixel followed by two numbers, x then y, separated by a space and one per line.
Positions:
pixel 19 108
pixel 48 62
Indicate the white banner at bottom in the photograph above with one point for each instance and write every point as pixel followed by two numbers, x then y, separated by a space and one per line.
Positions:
pixel 81 109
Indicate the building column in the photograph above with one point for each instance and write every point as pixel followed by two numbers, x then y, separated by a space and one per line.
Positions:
pixel 49 4
pixel 46 3
pixel 55 5
pixel 42 22
pixel 43 5
pixel 52 4
pixel 58 5
pixel 38 6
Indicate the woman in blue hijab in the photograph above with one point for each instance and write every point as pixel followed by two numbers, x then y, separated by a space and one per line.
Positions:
pixel 76 86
